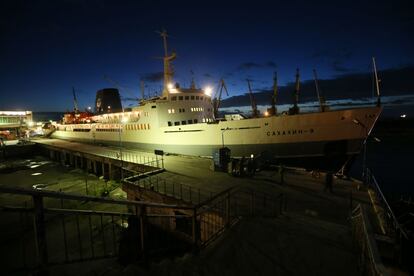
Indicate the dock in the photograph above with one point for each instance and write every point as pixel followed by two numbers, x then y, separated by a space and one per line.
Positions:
pixel 314 232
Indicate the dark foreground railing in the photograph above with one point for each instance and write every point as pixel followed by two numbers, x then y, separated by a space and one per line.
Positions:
pixel 49 228
pixel 369 259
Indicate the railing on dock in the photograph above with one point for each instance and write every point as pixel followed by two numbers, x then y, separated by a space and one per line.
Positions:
pixel 369 260
pixel 390 224
pixel 52 230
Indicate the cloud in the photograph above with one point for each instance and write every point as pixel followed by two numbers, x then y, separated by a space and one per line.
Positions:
pixel 254 65
pixel 207 75
pixel 340 54
pixel 153 77
pixel 355 86
pixel 338 66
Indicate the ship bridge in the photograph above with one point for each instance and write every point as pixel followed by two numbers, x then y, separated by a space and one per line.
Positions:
pixel 184 106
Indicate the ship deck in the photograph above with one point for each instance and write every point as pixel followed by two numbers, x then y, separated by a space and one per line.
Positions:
pixel 314 235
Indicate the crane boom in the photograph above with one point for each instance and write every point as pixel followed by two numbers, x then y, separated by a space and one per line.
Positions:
pixel 252 101
pixel 75 101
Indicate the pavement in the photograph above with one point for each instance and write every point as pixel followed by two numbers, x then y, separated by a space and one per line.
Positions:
pixel 313 237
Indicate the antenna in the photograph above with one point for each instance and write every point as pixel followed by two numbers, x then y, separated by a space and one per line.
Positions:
pixel 192 86
pixel 164 36
pixel 376 82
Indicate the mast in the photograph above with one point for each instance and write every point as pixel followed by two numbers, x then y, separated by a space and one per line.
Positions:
pixel 295 108
pixel 75 101
pixel 252 101
pixel 168 71
pixel 321 98
pixel 142 86
pixel 376 82
pixel 273 109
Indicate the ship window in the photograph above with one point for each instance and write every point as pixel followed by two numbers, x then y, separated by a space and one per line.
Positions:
pixel 195 121
pixel 174 98
pixel 169 124
pixel 192 97
pixel 190 121
pixel 180 98
pixel 187 98
pixel 183 110
pixel 154 106
pixel 197 97
pixel 148 126
pixel 176 123
pixel 201 98
pixel 183 122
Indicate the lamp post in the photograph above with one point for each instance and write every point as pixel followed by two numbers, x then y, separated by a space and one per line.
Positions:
pixel 222 135
pixel 124 120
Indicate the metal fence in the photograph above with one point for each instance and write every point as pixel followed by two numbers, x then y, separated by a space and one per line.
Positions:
pixel 51 229
pixel 170 188
pixel 391 225
pixel 369 259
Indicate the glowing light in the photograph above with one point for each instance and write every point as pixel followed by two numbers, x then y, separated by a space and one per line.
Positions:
pixel 403 115
pixel 89 108
pixel 252 156
pixel 37 173
pixel 266 113
pixel 124 120
pixel 109 107
pixel 16 113
pixel 170 86
pixel 208 90
pixel 30 124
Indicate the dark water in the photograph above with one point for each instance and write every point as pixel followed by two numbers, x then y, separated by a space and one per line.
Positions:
pixel 391 160
pixel 47 116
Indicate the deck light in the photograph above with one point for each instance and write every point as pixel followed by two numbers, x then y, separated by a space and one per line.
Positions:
pixel 124 120
pixel 208 91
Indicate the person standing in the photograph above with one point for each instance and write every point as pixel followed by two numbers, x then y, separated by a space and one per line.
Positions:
pixel 328 182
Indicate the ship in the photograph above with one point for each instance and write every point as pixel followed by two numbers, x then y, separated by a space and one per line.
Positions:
pixel 183 121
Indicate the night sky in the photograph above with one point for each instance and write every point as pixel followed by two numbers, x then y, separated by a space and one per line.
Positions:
pixel 49 46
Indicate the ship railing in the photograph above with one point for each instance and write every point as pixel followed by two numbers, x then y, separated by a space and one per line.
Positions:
pixel 369 260
pixel 392 225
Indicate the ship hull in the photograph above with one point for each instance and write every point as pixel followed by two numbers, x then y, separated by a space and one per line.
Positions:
pixel 326 141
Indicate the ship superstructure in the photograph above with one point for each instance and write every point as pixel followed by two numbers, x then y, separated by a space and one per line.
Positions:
pixel 182 121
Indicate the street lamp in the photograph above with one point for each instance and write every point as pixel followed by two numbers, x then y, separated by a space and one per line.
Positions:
pixel 222 135
pixel 124 120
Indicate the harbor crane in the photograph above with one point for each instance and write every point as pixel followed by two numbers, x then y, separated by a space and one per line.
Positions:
pixel 273 109
pixel 255 112
pixel 322 102
pixel 217 99
pixel 295 108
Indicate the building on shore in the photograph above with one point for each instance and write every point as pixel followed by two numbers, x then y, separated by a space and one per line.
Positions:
pixel 13 123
